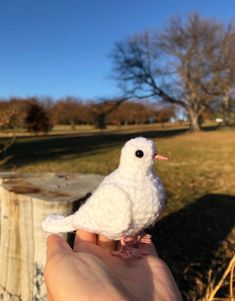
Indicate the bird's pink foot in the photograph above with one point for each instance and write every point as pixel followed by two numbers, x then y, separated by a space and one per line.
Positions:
pixel 129 252
pixel 130 246
pixel 144 238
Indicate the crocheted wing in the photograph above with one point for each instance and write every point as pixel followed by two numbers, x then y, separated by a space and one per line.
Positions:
pixel 106 212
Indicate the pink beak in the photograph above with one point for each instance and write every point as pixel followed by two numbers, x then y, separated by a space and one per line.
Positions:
pixel 160 157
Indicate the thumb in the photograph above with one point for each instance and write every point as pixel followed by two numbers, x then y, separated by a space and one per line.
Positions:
pixel 56 245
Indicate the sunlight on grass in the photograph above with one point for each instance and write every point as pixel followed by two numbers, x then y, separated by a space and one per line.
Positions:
pixel 198 164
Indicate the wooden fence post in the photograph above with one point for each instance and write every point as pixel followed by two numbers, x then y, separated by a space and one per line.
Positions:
pixel 25 200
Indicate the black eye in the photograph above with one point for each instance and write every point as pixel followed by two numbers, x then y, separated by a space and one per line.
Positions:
pixel 139 153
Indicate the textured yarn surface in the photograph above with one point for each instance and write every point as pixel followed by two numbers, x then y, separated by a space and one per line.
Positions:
pixel 127 200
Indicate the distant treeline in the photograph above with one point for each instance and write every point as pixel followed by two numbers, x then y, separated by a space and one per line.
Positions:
pixel 39 114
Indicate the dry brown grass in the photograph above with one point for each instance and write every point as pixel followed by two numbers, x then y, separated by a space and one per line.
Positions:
pixel 196 234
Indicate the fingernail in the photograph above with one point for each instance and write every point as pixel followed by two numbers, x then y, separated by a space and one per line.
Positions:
pixel 54 238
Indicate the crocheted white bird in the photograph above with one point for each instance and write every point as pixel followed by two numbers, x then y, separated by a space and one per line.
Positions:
pixel 127 201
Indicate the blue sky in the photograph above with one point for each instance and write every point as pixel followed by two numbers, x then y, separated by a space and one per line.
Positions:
pixel 60 47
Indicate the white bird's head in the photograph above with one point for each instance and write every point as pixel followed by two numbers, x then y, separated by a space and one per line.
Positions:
pixel 138 155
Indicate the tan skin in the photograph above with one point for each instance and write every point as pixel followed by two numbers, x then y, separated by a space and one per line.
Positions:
pixel 89 272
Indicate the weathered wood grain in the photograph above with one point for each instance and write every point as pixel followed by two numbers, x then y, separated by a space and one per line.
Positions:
pixel 25 200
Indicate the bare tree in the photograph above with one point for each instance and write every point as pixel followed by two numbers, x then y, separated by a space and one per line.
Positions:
pixel 164 113
pixel 102 109
pixel 182 65
pixel 132 112
pixel 226 62
pixel 13 113
pixel 71 110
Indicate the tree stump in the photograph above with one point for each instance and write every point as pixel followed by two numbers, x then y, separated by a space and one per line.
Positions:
pixel 25 200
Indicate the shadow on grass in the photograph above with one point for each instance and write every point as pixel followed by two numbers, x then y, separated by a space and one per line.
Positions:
pixel 38 149
pixel 191 239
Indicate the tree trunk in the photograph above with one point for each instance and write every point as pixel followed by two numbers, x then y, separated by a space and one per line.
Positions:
pixel 226 112
pixel 25 200
pixel 194 121
pixel 73 125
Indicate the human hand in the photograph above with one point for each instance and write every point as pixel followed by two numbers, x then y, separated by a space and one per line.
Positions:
pixel 89 272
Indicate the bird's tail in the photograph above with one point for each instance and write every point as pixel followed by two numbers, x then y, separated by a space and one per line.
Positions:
pixel 57 224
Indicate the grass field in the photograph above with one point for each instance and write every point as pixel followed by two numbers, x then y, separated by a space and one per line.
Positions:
pixel 198 163
pixel 196 234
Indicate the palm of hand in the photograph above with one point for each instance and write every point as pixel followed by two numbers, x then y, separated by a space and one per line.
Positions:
pixel 134 275
pixel 92 273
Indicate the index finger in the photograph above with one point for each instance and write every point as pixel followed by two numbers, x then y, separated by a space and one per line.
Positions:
pixel 56 245
pixel 83 236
